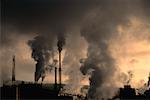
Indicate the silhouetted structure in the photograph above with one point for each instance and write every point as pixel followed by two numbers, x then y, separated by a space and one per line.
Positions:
pixel 60 45
pixel 13 69
pixel 128 93
pixel 148 84
pixel 55 77
pixel 32 91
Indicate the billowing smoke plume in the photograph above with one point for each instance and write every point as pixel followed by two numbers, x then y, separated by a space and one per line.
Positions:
pixel 42 50
pixel 99 60
pixel 99 28
pixel 71 64
pixel 61 42
pixel 101 67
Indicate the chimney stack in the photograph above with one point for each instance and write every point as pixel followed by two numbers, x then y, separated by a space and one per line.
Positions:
pixel 13 69
pixel 55 62
pixel 55 77
pixel 149 80
pixel 60 45
pixel 60 69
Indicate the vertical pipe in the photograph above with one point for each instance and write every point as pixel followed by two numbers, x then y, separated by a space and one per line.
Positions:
pixel 55 77
pixel 13 69
pixel 148 84
pixel 60 69
pixel 35 77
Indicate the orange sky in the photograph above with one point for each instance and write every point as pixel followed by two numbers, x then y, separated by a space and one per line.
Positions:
pixel 132 52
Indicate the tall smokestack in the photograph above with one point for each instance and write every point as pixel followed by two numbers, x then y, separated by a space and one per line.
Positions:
pixel 13 69
pixel 60 69
pixel 55 77
pixel 55 62
pixel 148 84
pixel 60 45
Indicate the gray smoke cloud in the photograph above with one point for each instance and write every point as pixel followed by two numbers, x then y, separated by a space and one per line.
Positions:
pixel 42 50
pixel 99 28
pixel 71 65
pixel 52 20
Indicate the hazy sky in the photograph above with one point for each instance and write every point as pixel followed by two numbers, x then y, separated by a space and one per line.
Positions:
pixel 124 24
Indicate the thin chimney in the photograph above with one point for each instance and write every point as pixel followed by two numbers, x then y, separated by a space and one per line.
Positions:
pixel 55 77
pixel 59 44
pixel 13 69
pixel 148 80
pixel 60 68
pixel 55 63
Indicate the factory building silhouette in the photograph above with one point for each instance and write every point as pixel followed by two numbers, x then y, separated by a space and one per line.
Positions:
pixel 21 90
pixel 28 90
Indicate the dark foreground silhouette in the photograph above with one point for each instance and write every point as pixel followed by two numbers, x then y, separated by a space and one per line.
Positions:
pixel 31 91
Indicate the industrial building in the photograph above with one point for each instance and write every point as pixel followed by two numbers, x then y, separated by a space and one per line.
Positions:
pixel 18 90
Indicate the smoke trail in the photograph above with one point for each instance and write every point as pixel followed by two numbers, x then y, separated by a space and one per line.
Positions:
pixel 42 50
pixel 71 65
pixel 98 31
pixel 102 68
pixel 60 42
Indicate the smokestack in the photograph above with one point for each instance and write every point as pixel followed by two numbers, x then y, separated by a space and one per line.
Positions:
pixel 148 80
pixel 60 45
pixel 55 62
pixel 13 69
pixel 35 76
pixel 55 77
pixel 60 69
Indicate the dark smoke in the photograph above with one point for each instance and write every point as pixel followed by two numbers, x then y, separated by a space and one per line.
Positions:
pixel 60 42
pixel 99 28
pixel 42 50
pixel 102 68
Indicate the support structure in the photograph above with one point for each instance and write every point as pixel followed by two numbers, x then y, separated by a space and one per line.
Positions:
pixel 13 69
pixel 148 84
pixel 60 45
pixel 55 77
pixel 60 69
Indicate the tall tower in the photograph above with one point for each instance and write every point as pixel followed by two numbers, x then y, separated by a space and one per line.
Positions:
pixel 60 45
pixel 13 69
pixel 148 84
pixel 55 62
